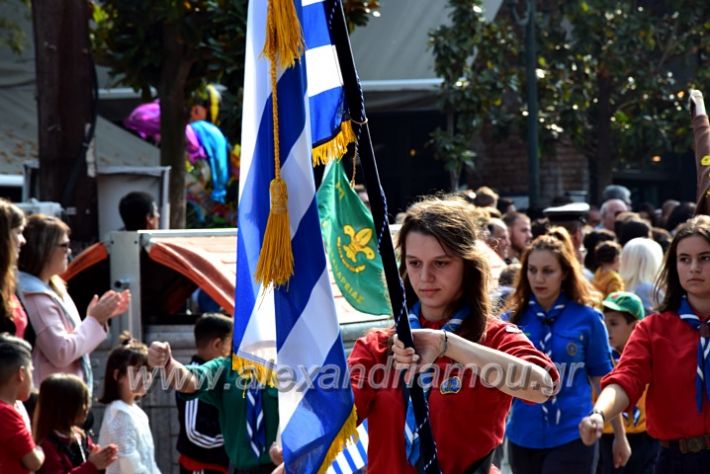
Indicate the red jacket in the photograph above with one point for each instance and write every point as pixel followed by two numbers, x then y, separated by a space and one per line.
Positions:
pixel 662 353
pixel 58 461
pixel 467 425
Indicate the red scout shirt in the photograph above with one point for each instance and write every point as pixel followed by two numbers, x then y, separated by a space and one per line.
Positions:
pixel 467 424
pixel 15 440
pixel 663 353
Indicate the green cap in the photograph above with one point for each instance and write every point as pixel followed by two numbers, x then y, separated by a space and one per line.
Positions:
pixel 625 302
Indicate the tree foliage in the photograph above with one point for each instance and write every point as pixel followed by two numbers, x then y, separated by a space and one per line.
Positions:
pixel 11 34
pixel 129 36
pixel 612 76
pixel 176 47
pixel 358 12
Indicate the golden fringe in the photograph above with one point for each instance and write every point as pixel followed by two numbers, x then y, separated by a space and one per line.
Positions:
pixel 335 148
pixel 284 37
pixel 275 263
pixel 249 369
pixel 347 432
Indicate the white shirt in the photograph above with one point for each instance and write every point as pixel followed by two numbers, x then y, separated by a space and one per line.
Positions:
pixel 20 407
pixel 127 426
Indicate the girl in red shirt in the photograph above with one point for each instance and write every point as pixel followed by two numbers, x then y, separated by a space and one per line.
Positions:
pixel 61 410
pixel 669 351
pixel 474 360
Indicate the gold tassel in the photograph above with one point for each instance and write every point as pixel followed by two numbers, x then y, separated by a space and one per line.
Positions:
pixel 283 46
pixel 336 147
pixel 248 368
pixel 347 432
pixel 276 258
pixel 284 36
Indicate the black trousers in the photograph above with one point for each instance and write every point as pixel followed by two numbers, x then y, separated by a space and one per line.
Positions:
pixel 644 452
pixel 482 466
pixel 574 457
pixel 671 461
pixel 263 469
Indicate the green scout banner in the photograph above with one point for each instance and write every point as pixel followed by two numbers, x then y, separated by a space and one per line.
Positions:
pixel 351 243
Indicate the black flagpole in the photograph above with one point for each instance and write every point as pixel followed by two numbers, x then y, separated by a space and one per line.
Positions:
pixel 378 205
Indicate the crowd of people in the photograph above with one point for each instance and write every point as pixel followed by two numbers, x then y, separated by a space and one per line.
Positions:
pixel 604 311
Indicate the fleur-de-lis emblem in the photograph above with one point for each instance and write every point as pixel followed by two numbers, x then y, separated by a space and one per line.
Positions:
pixel 358 243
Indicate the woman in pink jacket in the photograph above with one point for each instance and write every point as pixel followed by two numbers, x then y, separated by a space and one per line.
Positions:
pixel 64 341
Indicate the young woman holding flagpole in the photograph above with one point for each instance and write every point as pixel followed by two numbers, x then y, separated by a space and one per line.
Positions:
pixel 476 363
pixel 669 351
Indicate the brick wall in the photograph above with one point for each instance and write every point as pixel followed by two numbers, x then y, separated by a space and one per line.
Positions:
pixel 504 167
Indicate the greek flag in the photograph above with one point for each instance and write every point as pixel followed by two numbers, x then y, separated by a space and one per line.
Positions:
pixel 354 456
pixel 330 132
pixel 289 335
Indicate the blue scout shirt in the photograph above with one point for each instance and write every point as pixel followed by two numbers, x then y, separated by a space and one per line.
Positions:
pixel 580 349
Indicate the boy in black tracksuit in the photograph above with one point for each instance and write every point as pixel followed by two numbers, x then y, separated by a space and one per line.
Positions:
pixel 200 442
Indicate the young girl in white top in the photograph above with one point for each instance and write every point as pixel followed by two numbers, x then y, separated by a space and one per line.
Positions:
pixel 125 423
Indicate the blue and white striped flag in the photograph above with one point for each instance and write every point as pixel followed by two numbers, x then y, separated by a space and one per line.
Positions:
pixel 354 457
pixel 330 131
pixel 289 335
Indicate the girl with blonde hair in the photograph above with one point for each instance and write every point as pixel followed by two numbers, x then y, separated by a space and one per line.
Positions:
pixel 641 260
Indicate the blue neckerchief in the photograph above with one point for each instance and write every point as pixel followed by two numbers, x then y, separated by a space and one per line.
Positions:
pixel 255 418
pixel 702 373
pixel 411 430
pixel 636 412
pixel 548 318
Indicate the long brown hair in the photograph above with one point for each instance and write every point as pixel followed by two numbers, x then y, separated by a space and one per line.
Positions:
pixel 130 353
pixel 558 242
pixel 11 217
pixel 668 279
pixel 43 233
pixel 63 400
pixel 451 224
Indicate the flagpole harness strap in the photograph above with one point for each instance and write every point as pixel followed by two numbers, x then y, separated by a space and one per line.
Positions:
pixel 357 122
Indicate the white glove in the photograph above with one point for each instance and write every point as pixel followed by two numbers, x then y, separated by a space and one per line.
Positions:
pixel 696 103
